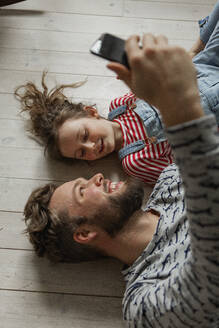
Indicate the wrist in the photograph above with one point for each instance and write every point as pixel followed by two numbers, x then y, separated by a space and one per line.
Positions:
pixel 184 110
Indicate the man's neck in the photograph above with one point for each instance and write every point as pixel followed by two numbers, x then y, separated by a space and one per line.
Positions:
pixel 128 245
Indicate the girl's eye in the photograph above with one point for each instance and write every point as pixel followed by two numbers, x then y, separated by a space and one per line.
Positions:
pixel 82 153
pixel 85 136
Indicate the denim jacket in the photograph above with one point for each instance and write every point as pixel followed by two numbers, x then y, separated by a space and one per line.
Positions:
pixel 152 122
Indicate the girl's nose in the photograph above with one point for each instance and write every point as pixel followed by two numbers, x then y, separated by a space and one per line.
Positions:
pixel 90 146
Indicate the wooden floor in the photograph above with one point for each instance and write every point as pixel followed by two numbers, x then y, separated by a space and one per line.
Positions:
pixel 56 35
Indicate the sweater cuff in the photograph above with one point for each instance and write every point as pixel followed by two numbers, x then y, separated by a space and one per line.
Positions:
pixel 193 139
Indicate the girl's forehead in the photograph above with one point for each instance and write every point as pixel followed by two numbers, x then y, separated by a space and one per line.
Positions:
pixel 79 120
pixel 70 130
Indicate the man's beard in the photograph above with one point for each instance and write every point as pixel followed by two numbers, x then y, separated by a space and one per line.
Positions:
pixel 121 207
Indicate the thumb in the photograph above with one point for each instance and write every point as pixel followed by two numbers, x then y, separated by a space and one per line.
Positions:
pixel 122 72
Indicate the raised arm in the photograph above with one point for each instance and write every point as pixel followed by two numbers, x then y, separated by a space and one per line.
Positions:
pixel 169 69
pixel 195 142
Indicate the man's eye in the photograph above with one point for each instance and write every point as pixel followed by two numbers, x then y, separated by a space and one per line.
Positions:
pixel 81 191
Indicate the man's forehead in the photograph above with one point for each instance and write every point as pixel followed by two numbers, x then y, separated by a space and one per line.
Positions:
pixel 61 196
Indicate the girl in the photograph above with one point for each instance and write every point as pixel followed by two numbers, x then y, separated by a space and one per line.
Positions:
pixel 133 129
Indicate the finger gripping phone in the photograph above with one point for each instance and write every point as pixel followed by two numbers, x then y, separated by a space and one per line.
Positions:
pixel 111 48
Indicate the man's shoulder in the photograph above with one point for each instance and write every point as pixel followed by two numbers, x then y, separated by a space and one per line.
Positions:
pixel 169 185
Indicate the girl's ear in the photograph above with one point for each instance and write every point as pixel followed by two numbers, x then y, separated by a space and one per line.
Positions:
pixel 84 236
pixel 92 111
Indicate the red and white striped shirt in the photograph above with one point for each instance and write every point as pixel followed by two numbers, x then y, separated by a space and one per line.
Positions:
pixel 148 163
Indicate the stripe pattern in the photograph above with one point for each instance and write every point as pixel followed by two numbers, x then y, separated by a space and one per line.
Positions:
pixel 175 281
pixel 148 163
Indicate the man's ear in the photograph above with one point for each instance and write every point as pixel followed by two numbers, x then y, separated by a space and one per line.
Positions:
pixel 84 235
pixel 91 111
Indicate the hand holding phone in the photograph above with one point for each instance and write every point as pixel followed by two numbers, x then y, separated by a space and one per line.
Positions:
pixel 111 48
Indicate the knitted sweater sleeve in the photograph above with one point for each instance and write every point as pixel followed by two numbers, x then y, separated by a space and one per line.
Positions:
pixel 196 148
pixel 190 296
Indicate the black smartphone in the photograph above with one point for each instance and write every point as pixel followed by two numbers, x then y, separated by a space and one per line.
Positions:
pixel 111 48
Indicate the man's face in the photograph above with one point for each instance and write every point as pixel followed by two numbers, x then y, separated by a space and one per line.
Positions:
pixel 104 203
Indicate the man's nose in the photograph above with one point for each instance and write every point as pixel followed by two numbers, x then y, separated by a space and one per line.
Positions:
pixel 97 179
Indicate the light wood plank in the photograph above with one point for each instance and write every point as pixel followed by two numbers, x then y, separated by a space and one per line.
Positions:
pixel 12 134
pixel 47 40
pixel 56 41
pixel 197 2
pixel 10 107
pixel 91 7
pixel 11 231
pixel 57 62
pixel 186 44
pixel 83 23
pixel 14 193
pixel 22 269
pixel 95 87
pixel 32 164
pixel 159 10
pixel 20 309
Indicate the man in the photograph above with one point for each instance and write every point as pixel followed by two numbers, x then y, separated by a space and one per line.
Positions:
pixel 63 222
pixel 171 245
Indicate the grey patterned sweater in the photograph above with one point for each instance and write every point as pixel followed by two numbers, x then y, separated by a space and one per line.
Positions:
pixel 175 281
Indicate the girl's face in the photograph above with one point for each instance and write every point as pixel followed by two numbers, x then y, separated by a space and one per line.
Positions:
pixel 89 138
